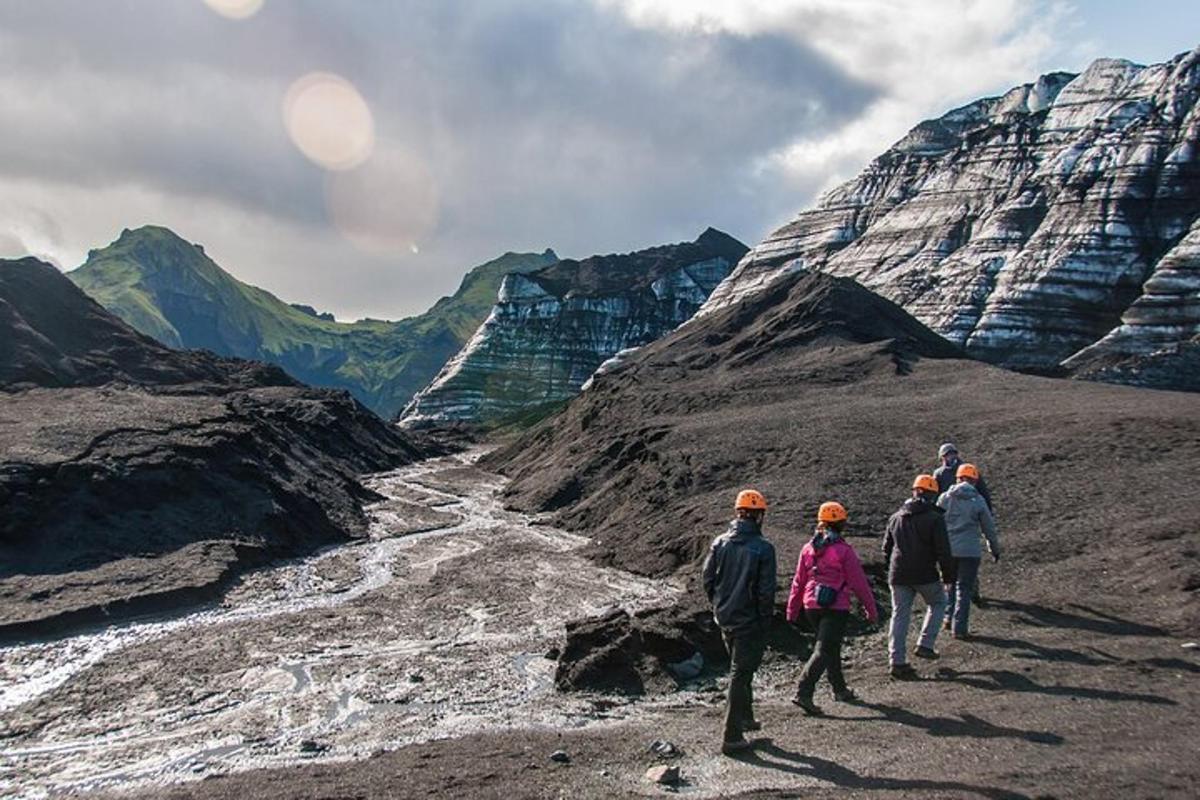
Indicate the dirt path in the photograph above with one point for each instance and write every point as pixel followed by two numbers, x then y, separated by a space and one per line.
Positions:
pixel 437 626
pixel 1044 704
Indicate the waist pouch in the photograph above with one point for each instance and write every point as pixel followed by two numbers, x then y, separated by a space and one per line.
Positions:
pixel 827 595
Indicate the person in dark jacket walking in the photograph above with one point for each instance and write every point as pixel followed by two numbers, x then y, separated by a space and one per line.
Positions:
pixel 915 546
pixel 826 574
pixel 739 580
pixel 946 474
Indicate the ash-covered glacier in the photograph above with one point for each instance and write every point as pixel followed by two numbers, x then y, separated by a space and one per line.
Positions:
pixel 552 328
pixel 1052 228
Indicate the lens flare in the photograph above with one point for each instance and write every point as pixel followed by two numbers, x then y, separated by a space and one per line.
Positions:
pixel 329 121
pixel 235 9
pixel 386 206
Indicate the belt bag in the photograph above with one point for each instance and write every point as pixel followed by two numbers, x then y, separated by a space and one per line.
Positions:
pixel 827 595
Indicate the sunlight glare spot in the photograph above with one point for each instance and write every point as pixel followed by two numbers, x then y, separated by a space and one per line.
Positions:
pixel 235 9
pixel 329 121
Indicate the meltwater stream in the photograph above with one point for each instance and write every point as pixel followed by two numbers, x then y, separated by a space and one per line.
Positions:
pixel 434 626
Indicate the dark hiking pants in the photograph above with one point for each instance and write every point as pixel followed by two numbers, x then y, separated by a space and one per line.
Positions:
pixel 745 655
pixel 830 626
pixel 958 606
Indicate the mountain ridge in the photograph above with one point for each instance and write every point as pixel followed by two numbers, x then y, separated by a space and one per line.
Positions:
pixel 171 290
pixel 1030 226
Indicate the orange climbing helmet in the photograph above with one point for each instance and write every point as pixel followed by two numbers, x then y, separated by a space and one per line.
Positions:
pixel 969 471
pixel 751 499
pixel 832 512
pixel 926 483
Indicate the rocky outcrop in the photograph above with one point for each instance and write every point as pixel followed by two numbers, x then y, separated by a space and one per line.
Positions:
pixel 169 289
pixel 1027 227
pixel 134 476
pixel 552 328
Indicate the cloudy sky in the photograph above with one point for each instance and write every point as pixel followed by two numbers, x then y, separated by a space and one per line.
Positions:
pixel 361 156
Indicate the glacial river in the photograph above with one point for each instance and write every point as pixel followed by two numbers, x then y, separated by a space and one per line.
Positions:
pixel 436 625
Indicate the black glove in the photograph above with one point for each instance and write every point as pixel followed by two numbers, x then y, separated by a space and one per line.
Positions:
pixel 995 558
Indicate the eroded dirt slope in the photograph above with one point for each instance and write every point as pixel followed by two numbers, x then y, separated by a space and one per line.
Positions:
pixel 134 477
pixel 821 390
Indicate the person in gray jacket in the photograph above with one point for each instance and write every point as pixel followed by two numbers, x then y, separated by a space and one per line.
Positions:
pixel 739 580
pixel 946 474
pixel 967 517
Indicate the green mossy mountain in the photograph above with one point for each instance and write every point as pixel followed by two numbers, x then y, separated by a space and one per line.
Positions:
pixel 169 289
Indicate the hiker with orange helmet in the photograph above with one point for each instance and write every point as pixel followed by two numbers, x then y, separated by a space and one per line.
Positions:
pixel 967 517
pixel 915 546
pixel 946 474
pixel 826 574
pixel 739 580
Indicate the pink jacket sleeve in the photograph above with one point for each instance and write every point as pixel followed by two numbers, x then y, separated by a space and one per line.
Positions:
pixel 795 605
pixel 859 584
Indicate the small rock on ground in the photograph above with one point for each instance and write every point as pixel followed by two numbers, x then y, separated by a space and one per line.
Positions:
pixel 664 749
pixel 663 774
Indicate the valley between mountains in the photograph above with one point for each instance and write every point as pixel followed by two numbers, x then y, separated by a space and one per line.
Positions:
pixel 250 550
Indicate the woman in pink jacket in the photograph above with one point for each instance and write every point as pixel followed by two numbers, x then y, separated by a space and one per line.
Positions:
pixel 828 571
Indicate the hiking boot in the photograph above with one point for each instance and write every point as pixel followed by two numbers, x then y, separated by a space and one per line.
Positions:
pixel 807 705
pixel 927 653
pixel 946 625
pixel 846 695
pixel 735 746
pixel 752 725
pixel 978 601
pixel 904 672
pixel 962 637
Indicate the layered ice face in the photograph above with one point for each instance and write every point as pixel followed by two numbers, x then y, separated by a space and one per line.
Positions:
pixel 1047 227
pixel 550 330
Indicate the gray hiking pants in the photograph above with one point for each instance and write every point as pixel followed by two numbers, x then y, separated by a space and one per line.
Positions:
pixel 902 604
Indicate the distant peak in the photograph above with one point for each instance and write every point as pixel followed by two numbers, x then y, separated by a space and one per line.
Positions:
pixel 718 238
pixel 149 231
pixel 712 233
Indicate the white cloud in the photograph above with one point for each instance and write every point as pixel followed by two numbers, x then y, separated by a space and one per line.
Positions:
pixel 926 57
pixel 587 127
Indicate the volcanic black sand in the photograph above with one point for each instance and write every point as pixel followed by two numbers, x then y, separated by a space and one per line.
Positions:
pixel 820 390
pixel 134 477
pixel 1077 683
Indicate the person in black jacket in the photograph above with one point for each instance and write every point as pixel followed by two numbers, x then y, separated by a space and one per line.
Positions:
pixel 915 546
pixel 739 580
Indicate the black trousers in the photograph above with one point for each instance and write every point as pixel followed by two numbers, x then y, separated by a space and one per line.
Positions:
pixel 827 655
pixel 745 656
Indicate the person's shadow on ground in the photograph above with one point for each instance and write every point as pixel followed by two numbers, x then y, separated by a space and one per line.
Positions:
pixel 1002 680
pixel 1028 650
pixel 968 725
pixel 1094 622
pixel 768 755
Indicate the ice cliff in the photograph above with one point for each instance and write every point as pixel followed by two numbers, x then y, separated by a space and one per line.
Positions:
pixel 552 328
pixel 1053 227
